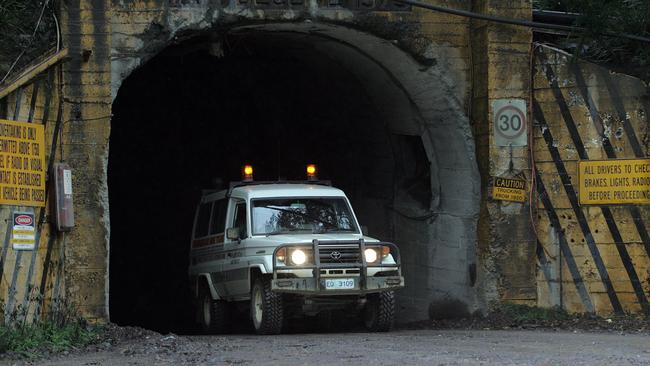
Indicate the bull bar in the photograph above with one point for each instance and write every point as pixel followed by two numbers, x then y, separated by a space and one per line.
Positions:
pixel 315 285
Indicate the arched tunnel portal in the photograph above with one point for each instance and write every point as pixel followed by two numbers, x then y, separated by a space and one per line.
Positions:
pixel 381 126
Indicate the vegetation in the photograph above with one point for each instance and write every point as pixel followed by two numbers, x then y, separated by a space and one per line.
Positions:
pixel 62 330
pixel 614 16
pixel 32 340
pixel 524 313
pixel 18 19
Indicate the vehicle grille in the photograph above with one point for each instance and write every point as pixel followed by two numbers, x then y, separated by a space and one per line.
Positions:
pixel 348 253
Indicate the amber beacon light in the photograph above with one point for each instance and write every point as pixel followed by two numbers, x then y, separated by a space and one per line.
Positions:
pixel 311 172
pixel 247 173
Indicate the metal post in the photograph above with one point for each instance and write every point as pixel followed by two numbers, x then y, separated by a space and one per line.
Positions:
pixel 316 252
pixel 364 265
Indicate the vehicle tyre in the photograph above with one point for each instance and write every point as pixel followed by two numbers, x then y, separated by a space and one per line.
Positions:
pixel 267 309
pixel 213 314
pixel 379 312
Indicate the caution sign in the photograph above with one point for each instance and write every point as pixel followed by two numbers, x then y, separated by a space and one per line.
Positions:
pixel 22 164
pixel 508 189
pixel 23 235
pixel 614 182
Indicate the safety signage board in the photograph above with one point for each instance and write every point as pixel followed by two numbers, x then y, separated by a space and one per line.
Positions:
pixel 508 189
pixel 23 235
pixel 510 122
pixel 22 164
pixel 614 182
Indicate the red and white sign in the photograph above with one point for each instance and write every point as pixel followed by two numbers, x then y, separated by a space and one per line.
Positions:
pixel 24 220
pixel 23 235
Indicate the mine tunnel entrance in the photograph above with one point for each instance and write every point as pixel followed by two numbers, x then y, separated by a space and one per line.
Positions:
pixel 199 110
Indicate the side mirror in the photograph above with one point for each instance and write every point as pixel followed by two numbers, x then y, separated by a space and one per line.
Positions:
pixel 364 230
pixel 232 233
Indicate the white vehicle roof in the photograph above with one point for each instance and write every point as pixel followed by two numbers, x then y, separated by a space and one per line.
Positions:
pixel 252 191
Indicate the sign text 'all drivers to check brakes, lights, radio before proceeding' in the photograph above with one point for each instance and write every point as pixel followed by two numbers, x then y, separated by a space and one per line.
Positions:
pixel 611 182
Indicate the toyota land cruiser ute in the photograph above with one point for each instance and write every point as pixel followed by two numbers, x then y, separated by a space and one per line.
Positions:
pixel 288 249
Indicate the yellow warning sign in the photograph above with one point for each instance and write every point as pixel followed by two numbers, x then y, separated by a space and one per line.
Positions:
pixel 509 189
pixel 612 182
pixel 22 163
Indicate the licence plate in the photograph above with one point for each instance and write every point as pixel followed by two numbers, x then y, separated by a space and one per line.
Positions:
pixel 339 283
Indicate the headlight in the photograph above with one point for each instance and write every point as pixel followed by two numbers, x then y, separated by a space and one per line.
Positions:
pixel 298 257
pixel 371 255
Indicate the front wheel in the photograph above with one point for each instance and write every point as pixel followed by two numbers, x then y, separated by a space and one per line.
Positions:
pixel 267 309
pixel 379 313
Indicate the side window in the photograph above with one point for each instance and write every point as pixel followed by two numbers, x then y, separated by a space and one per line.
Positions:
pixel 219 217
pixel 240 219
pixel 202 222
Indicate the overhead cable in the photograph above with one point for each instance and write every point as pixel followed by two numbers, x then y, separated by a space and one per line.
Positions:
pixel 519 22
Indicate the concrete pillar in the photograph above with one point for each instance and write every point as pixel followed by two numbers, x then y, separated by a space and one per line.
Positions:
pixel 86 128
pixel 501 70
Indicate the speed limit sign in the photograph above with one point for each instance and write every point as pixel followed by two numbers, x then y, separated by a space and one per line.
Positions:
pixel 510 122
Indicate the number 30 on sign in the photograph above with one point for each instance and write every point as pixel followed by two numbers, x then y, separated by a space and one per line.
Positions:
pixel 510 122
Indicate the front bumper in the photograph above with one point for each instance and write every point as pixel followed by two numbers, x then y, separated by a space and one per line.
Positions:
pixel 310 286
pixel 387 276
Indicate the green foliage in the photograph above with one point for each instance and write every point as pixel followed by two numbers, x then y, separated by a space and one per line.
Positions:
pixel 60 330
pixel 613 16
pixel 525 313
pixel 33 339
pixel 18 20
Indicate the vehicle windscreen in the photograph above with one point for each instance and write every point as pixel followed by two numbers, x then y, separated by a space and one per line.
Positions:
pixel 316 215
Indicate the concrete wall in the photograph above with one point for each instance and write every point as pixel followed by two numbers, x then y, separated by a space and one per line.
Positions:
pixel 591 258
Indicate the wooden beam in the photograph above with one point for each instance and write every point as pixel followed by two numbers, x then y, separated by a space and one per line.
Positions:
pixel 31 72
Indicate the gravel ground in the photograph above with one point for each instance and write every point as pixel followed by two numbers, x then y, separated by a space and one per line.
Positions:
pixel 514 335
pixel 407 347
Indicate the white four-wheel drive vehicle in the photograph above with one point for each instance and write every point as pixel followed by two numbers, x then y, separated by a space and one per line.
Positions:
pixel 290 250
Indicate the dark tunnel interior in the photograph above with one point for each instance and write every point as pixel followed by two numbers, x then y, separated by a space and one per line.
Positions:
pixel 195 114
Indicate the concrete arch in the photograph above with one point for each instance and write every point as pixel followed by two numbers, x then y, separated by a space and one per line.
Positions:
pixel 414 100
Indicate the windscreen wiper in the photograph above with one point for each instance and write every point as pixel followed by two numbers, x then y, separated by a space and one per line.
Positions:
pixel 280 232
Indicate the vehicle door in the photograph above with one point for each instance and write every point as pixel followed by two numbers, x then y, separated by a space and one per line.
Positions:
pixel 235 268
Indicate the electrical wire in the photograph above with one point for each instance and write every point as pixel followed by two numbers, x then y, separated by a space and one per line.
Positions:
pixel 531 118
pixel 58 31
pixel 519 22
pixel 29 44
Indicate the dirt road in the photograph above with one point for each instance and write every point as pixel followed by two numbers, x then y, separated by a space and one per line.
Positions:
pixel 404 347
